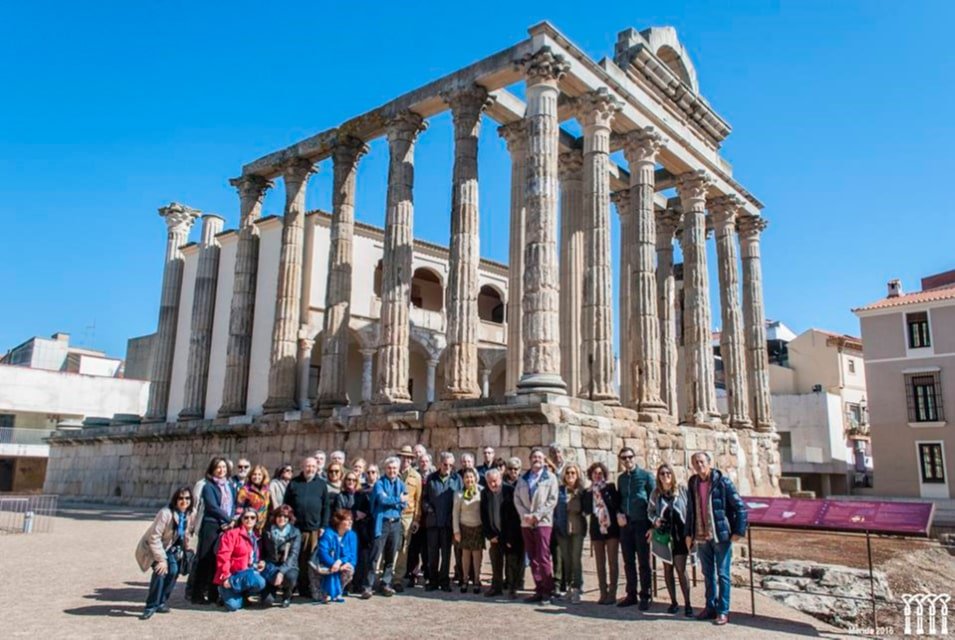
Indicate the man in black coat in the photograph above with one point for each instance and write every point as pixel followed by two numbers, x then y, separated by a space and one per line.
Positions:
pixel 307 495
pixel 502 527
pixel 437 504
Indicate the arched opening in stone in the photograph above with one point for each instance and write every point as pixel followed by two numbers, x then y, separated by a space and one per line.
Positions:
pixel 427 292
pixel 491 305
pixel 379 270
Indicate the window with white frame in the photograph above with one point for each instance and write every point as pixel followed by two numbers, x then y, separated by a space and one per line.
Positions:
pixel 917 329
pixel 931 465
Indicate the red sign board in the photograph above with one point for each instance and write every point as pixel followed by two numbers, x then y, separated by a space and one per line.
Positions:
pixel 874 516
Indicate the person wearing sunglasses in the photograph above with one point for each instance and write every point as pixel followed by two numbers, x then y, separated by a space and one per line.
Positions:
pixel 667 513
pixel 635 486
pixel 238 562
pixel 281 545
pixel 279 484
pixel 310 501
pixel 242 469
pixel 163 548
pixel 357 502
pixel 334 475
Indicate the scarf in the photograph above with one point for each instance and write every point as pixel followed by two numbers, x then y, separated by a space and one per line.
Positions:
pixel 469 492
pixel 225 494
pixel 181 527
pixel 600 507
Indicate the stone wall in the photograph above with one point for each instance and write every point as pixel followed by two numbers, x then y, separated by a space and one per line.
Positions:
pixel 142 464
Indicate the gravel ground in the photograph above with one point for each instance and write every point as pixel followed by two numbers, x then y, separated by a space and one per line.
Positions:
pixel 81 581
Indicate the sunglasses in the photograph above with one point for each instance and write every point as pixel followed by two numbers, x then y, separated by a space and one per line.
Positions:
pixel 250 517
pixel 665 473
pixel 626 457
pixel 331 471
pixel 189 498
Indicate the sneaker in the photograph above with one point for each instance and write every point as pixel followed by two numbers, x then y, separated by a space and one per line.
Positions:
pixel 366 594
pixel 721 619
pixel 338 599
pixel 147 614
pixel 673 608
pixel 163 608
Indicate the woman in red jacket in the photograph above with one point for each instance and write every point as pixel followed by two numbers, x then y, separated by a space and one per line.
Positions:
pixel 238 563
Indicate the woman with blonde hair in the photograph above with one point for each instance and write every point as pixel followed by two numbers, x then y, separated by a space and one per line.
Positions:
pixel 466 525
pixel 571 528
pixel 667 511
pixel 254 494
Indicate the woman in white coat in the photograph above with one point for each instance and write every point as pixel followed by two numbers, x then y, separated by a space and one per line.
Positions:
pixel 163 549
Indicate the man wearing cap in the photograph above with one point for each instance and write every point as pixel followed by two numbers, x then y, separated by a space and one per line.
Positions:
pixel 409 517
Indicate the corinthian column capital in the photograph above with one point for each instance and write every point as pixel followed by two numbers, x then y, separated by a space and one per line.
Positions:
pixel 692 187
pixel 750 227
pixel 642 146
pixel 406 125
pixel 298 170
pixel 621 200
pixel 348 151
pixel 543 66
pixel 597 108
pixel 251 186
pixel 179 217
pixel 570 165
pixel 515 135
pixel 668 221
pixel 467 105
pixel 724 210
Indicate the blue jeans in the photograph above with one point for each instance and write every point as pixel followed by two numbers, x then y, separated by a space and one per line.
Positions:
pixel 387 546
pixel 160 587
pixel 243 583
pixel 716 557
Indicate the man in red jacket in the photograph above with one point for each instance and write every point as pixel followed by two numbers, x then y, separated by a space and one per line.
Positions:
pixel 238 563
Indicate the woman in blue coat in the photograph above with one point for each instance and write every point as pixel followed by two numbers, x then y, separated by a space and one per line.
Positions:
pixel 218 497
pixel 335 556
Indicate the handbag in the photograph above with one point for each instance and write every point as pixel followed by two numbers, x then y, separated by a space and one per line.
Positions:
pixel 661 537
pixel 186 561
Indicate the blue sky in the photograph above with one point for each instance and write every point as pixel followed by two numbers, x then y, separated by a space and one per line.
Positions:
pixel 842 117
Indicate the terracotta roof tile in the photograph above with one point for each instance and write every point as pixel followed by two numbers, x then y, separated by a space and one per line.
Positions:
pixel 932 295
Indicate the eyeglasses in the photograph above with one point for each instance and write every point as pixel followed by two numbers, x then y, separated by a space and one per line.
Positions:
pixel 243 466
pixel 629 457
pixel 250 517
pixel 280 516
pixel 665 473
pixel 331 471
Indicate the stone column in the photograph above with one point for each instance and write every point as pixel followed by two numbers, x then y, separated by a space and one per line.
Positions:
pixel 432 370
pixel 485 383
pixel 288 305
pixel 641 148
pixel 622 201
pixel 667 223
pixel 461 363
pixel 179 220
pixel 305 346
pixel 541 291
pixel 701 406
pixel 367 364
pixel 515 133
pixel 595 112
pixel 570 169
pixel 203 312
pixel 332 382
pixel 239 348
pixel 754 321
pixel 723 212
pixel 395 327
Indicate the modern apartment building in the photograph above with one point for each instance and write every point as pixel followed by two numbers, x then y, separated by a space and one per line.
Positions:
pixel 910 371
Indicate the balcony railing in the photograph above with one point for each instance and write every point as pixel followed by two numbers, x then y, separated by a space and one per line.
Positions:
pixel 14 435
pixel 426 319
pixel 492 332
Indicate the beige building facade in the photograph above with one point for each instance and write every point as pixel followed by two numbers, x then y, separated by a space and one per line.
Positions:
pixel 910 369
pixel 263 329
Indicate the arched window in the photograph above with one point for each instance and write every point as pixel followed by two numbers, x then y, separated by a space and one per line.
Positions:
pixel 426 290
pixel 490 305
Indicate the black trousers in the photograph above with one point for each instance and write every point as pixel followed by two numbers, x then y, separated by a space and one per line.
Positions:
pixel 636 553
pixel 439 556
pixel 418 553
pixel 506 567
pixel 204 569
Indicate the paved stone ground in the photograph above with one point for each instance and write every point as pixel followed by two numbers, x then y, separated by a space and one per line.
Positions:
pixel 81 581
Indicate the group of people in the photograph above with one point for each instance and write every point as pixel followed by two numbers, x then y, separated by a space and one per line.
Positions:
pixel 333 529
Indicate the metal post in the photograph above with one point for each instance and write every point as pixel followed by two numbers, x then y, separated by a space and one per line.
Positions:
pixel 868 546
pixel 752 587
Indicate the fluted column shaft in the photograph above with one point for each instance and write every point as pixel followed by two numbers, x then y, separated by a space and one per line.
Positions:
pixel 241 313
pixel 723 212
pixel 461 362
pixel 622 201
pixel 641 150
pixel 570 170
pixel 179 220
pixel 754 321
pixel 541 291
pixel 305 346
pixel 367 379
pixel 667 222
pixel 203 312
pixel 515 133
pixel 596 111
pixel 701 406
pixel 395 327
pixel 283 360
pixel 332 382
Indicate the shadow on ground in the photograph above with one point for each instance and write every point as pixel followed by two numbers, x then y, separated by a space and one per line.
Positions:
pixel 120 602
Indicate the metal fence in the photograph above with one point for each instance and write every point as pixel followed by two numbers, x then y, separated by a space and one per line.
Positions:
pixel 26 513
pixel 14 435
